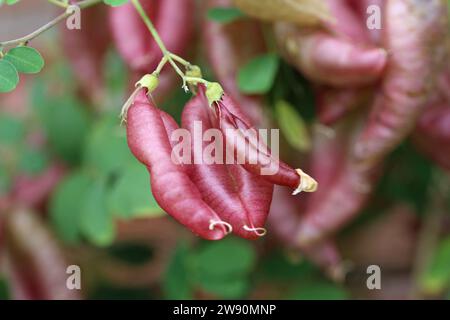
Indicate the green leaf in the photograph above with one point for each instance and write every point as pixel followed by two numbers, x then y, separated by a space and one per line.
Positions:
pixel 25 59
pixel 224 259
pixel 224 14
pixel 177 284
pixel 258 75
pixel 95 222
pixel 9 78
pixel 293 126
pixel 234 288
pixel 4 289
pixel 12 130
pixel 66 124
pixel 106 150
pixel 33 161
pixel 131 196
pixel 5 179
pixel 115 3
pixel 66 206
pixel 319 290
pixel 437 276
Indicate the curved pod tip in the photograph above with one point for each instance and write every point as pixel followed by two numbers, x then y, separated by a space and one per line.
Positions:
pixel 307 183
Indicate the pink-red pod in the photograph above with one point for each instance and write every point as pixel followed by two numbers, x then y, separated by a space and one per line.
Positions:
pixel 238 200
pixel 334 104
pixel 148 139
pixel 370 13
pixel 432 134
pixel 245 146
pixel 35 264
pixel 284 219
pixel 33 191
pixel 345 22
pixel 330 60
pixel 415 34
pixel 229 46
pixel 86 49
pixel 173 19
pixel 345 185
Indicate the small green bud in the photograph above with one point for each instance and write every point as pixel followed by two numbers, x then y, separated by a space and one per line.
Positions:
pixel 214 92
pixel 149 81
pixel 194 72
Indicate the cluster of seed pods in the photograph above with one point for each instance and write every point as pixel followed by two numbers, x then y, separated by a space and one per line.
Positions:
pixel 358 71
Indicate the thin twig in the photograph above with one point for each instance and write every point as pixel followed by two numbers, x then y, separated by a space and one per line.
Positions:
pixel 15 42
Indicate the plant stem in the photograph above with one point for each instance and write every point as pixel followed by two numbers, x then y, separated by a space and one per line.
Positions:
pixel 58 3
pixel 167 55
pixel 150 27
pixel 12 43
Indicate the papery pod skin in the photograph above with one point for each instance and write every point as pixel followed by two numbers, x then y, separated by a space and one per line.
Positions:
pixel 238 200
pixel 148 136
pixel 36 265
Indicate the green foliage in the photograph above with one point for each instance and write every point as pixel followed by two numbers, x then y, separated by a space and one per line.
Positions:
pixel 4 289
pixel 21 59
pixel 66 204
pixel 12 130
pixel 292 126
pixel 218 268
pixel 437 276
pixel 8 2
pixel 25 59
pixel 9 78
pixel 258 75
pixel 224 14
pixel 115 3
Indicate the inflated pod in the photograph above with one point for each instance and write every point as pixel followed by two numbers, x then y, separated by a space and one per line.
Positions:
pixel 248 148
pixel 148 134
pixel 284 219
pixel 229 47
pixel 330 60
pixel 237 196
pixel 35 263
pixel 415 35
pixel 345 184
pixel 334 104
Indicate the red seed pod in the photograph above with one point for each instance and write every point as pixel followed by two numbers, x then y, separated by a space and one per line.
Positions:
pixel 238 197
pixel 230 46
pixel 173 20
pixel 330 60
pixel 149 140
pixel 415 36
pixel 33 191
pixel 432 134
pixel 367 11
pixel 35 264
pixel 86 49
pixel 345 184
pixel 245 146
pixel 334 104
pixel 284 219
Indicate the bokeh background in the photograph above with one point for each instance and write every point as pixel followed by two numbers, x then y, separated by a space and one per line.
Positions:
pixel 71 193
